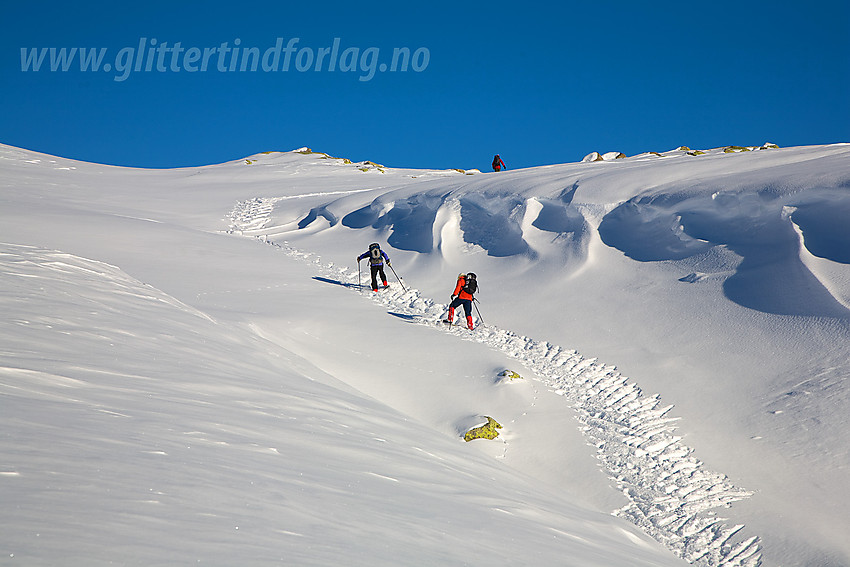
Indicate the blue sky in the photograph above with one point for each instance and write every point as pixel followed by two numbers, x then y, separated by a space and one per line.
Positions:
pixel 537 83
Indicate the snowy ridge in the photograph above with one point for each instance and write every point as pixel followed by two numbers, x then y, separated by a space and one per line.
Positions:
pixel 695 207
pixel 671 494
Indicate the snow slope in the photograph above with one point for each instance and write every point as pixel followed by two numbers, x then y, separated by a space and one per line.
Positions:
pixel 241 400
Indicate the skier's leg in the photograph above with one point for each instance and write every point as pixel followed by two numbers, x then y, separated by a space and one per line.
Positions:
pixel 374 270
pixel 467 309
pixel 452 306
pixel 383 275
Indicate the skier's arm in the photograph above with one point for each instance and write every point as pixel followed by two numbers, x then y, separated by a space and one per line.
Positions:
pixel 387 258
pixel 458 287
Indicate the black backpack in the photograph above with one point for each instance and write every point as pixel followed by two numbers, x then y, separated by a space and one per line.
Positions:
pixel 375 251
pixel 471 285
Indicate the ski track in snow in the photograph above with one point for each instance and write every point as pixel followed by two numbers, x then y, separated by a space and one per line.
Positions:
pixel 671 495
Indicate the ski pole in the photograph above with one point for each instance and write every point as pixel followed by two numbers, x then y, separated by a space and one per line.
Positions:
pixel 475 304
pixel 396 276
pixel 359 285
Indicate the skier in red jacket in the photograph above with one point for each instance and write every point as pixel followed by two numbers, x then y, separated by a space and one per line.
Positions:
pixel 467 285
pixel 498 164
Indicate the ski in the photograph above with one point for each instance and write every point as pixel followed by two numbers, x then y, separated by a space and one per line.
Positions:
pixel 450 324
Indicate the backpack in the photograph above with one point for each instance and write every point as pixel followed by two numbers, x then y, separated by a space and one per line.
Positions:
pixel 375 251
pixel 471 285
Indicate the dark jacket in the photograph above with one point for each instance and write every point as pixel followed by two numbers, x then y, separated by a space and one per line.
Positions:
pixel 375 261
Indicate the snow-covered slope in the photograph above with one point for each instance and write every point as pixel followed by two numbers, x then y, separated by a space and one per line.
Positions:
pixel 191 372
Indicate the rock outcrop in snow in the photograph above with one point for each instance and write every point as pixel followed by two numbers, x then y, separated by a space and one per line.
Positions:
pixel 489 430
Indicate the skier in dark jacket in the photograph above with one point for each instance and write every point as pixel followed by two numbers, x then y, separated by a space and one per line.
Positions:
pixel 467 284
pixel 498 164
pixel 376 263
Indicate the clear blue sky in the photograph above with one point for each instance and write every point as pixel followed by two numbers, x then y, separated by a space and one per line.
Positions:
pixel 539 83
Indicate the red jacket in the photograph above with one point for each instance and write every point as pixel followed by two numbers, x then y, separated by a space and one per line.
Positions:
pixel 461 282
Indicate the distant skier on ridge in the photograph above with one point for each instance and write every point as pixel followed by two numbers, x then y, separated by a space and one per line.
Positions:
pixel 376 264
pixel 467 285
pixel 498 164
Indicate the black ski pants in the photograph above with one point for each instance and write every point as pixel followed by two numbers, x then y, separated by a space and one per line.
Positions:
pixel 467 305
pixel 377 269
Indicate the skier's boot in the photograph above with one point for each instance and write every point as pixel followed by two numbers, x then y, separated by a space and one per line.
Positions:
pixel 469 322
pixel 451 316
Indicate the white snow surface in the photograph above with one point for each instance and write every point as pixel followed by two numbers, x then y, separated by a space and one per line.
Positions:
pixel 192 373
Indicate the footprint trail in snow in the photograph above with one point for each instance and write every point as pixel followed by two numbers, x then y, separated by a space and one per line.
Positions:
pixel 672 496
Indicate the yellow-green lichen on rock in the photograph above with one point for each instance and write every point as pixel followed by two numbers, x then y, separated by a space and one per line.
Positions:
pixel 371 166
pixel 322 155
pixel 486 431
pixel 510 375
